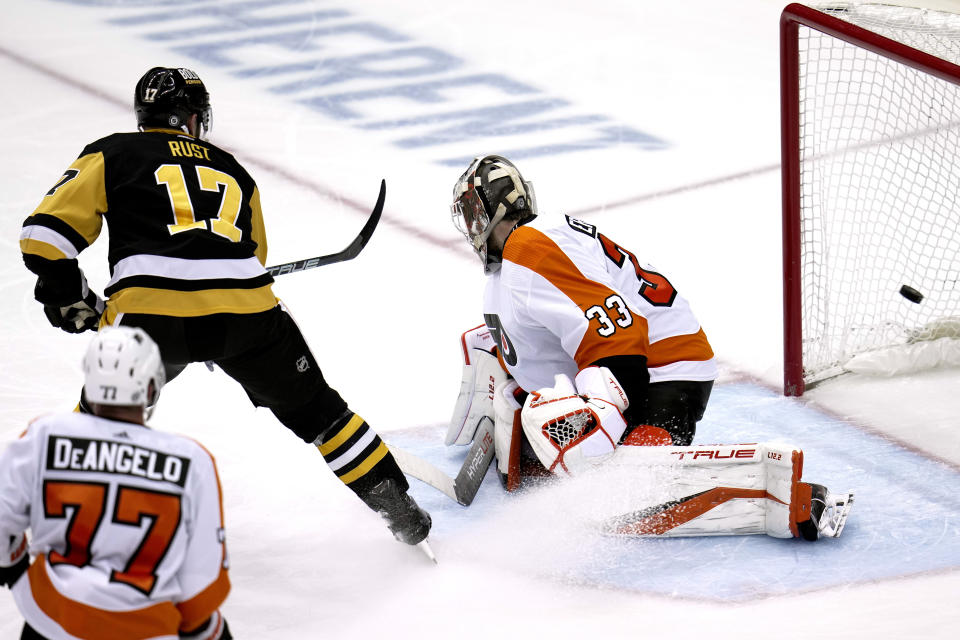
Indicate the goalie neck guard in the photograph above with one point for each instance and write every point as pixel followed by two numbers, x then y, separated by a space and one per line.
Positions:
pixel 490 190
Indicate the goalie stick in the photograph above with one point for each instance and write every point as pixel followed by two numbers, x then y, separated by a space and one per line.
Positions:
pixel 352 250
pixel 464 487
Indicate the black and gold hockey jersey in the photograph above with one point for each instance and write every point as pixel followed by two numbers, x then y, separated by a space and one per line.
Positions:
pixel 185 226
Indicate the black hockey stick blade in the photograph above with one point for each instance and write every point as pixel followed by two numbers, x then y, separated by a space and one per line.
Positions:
pixel 352 250
pixel 475 466
pixel 464 487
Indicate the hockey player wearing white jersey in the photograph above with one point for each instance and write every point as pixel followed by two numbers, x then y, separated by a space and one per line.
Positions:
pixel 126 523
pixel 565 299
pixel 585 348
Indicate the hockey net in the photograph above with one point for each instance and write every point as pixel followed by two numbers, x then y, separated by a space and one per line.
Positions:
pixel 871 186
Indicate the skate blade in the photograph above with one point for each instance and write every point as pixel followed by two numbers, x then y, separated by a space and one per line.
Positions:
pixel 838 507
pixel 424 546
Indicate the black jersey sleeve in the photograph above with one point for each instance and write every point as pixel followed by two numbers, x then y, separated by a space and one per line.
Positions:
pixel 68 219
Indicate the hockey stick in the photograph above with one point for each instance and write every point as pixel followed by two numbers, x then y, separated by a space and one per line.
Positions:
pixel 464 487
pixel 349 253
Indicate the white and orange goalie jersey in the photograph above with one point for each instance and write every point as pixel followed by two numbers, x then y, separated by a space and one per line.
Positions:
pixel 567 296
pixel 126 529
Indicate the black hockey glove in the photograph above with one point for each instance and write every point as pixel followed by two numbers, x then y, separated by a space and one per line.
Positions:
pixel 213 628
pixel 9 575
pixel 15 551
pixel 77 317
pixel 69 304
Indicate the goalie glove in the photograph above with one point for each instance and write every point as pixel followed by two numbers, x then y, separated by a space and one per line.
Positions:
pixel 482 374
pixel 69 304
pixel 572 428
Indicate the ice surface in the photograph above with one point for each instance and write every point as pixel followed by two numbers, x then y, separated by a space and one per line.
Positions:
pixel 656 121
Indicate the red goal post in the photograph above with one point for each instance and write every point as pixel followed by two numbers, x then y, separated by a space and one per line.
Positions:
pixel 817 341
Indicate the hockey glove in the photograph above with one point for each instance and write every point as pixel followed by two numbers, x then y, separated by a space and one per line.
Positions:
pixel 15 561
pixel 571 431
pixel 213 628
pixel 482 374
pixel 69 305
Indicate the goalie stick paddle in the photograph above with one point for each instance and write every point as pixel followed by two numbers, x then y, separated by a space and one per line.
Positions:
pixel 464 487
pixel 352 250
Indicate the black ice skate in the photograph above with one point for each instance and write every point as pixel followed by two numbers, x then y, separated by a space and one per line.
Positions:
pixel 408 522
pixel 828 513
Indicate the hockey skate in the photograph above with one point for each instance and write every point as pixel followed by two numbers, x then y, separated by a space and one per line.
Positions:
pixel 405 519
pixel 828 513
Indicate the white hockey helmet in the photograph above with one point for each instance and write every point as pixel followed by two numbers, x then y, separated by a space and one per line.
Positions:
pixel 489 190
pixel 122 367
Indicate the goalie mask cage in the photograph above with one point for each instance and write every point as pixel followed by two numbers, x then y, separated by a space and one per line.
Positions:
pixel 870 125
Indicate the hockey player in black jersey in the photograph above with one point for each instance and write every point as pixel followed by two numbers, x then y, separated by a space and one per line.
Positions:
pixel 187 252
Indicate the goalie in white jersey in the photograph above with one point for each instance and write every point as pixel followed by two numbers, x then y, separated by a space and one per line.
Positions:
pixel 585 348
pixel 126 523
pixel 565 299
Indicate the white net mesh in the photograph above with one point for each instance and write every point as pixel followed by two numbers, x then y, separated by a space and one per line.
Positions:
pixel 566 429
pixel 880 176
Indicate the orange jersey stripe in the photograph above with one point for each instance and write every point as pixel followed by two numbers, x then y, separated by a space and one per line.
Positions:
pixel 88 622
pixel 201 606
pixel 691 346
pixel 532 249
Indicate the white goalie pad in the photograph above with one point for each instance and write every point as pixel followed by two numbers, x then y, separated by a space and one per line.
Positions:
pixel 481 375
pixel 506 432
pixel 722 490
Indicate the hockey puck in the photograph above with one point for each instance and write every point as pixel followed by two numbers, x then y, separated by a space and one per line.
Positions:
pixel 911 294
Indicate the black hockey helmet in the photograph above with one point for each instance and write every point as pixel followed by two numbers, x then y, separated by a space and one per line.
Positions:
pixel 488 191
pixel 167 97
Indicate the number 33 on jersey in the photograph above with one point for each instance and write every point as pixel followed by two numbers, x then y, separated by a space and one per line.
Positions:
pixel 567 296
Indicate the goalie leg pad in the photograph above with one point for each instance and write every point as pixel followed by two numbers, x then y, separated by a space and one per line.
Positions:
pixel 507 432
pixel 719 490
pixel 481 375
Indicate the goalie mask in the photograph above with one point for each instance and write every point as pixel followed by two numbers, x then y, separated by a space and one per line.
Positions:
pixel 488 191
pixel 122 367
pixel 167 98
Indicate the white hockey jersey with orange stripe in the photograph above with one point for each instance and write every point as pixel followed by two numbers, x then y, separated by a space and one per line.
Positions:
pixel 567 296
pixel 126 524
